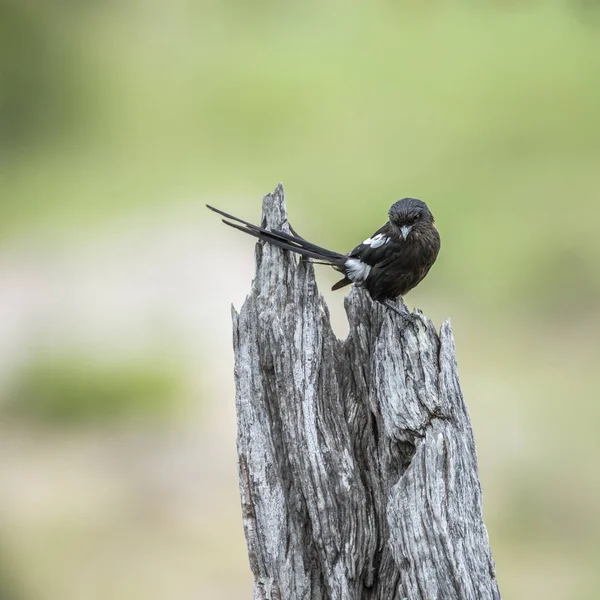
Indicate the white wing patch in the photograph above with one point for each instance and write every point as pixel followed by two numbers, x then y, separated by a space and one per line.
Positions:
pixel 376 241
pixel 357 270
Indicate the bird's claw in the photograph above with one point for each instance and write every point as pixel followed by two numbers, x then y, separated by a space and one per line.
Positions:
pixel 403 311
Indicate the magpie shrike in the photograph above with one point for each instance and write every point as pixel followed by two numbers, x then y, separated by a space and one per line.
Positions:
pixel 388 264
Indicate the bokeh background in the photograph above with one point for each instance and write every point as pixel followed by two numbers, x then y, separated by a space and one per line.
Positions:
pixel 119 120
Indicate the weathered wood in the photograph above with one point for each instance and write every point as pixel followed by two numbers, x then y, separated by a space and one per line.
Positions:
pixel 357 464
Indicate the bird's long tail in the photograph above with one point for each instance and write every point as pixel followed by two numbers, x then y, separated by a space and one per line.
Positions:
pixel 292 242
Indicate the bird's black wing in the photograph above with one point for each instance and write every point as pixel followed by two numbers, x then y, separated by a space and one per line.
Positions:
pixel 379 247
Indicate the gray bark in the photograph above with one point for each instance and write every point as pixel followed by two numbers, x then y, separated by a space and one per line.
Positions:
pixel 357 463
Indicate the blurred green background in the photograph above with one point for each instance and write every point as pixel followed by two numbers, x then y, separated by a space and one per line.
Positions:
pixel 120 120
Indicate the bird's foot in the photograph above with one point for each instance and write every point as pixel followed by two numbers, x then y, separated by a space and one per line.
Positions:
pixel 403 311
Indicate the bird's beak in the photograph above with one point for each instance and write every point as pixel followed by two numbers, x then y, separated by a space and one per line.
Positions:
pixel 405 230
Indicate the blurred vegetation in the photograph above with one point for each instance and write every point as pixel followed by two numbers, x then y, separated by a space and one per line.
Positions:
pixel 39 80
pixel 8 590
pixel 70 389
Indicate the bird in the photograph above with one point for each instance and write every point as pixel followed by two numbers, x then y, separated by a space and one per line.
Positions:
pixel 388 264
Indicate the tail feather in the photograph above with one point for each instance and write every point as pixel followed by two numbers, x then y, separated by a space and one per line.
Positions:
pixel 341 283
pixel 224 214
pixel 293 243
pixel 276 241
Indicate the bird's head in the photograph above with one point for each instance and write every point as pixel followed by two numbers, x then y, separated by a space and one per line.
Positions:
pixel 409 214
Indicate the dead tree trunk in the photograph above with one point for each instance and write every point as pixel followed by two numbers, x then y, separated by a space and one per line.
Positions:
pixel 357 464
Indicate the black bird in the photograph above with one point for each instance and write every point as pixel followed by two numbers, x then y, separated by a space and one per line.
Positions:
pixel 388 264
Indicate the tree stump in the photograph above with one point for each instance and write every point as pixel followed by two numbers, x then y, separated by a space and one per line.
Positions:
pixel 357 463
